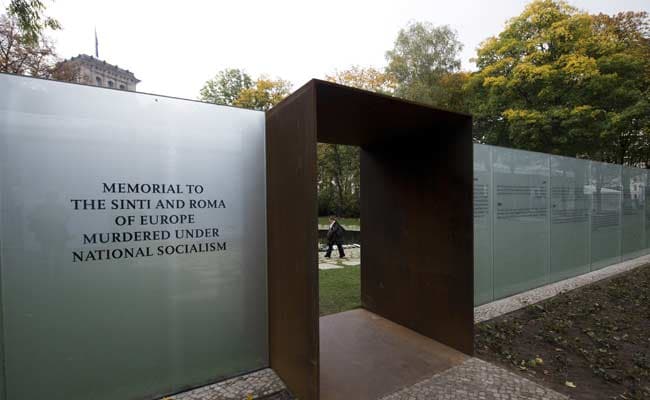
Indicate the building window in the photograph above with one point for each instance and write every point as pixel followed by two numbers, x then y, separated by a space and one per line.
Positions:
pixel 98 80
pixel 122 87
pixel 110 83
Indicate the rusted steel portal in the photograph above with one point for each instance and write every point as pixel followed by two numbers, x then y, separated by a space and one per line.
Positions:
pixel 416 203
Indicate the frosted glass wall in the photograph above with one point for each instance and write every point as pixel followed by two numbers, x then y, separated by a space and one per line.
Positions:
pixel 132 242
pixel 605 194
pixel 540 218
pixel 647 212
pixel 633 242
pixel 570 204
pixel 482 224
pixel 521 258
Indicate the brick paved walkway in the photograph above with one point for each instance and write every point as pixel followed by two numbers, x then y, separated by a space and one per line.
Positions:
pixel 263 384
pixel 476 380
pixel 473 380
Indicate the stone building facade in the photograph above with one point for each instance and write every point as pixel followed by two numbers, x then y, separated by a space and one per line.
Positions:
pixel 92 71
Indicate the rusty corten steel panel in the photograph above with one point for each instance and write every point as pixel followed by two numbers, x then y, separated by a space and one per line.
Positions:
pixel 417 259
pixel 292 241
pixel 416 206
pixel 356 117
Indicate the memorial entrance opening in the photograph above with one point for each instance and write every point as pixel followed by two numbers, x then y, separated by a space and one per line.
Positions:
pixel 417 263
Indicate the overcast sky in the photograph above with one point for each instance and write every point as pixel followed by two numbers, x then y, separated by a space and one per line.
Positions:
pixel 175 46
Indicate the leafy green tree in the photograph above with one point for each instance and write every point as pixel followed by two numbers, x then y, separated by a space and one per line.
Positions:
pixel 338 180
pixel 451 93
pixel 339 175
pixel 367 78
pixel 263 94
pixel 24 47
pixel 18 55
pixel 561 81
pixel 226 86
pixel 234 87
pixel 425 64
pixel 629 106
pixel 31 19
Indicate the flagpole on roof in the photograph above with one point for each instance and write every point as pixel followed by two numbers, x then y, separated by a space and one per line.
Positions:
pixel 96 45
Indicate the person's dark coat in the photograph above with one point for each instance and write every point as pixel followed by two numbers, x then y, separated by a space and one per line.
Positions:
pixel 335 233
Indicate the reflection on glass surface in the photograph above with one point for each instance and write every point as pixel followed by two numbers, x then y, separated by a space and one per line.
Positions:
pixel 482 224
pixel 646 200
pixel 605 193
pixel 633 242
pixel 569 217
pixel 521 182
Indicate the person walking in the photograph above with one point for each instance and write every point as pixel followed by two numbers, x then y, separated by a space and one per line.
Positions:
pixel 335 237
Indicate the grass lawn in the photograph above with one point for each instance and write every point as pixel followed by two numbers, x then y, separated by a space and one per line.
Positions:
pixel 589 343
pixel 342 221
pixel 340 289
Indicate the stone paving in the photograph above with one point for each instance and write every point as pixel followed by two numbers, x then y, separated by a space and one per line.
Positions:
pixel 476 380
pixel 352 258
pixel 263 384
pixel 283 395
pixel 473 380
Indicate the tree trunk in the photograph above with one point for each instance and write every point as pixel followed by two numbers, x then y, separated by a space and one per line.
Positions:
pixel 338 171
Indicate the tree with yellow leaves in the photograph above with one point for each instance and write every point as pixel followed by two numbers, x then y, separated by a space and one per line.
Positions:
pixel 234 87
pixel 366 78
pixel 562 81
pixel 263 94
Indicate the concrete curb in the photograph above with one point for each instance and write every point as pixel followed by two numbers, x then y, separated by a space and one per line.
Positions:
pixel 509 304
